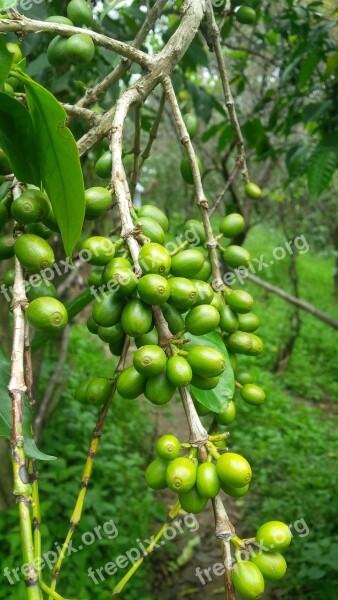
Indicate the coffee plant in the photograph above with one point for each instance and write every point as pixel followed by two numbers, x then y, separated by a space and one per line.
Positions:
pixel 165 312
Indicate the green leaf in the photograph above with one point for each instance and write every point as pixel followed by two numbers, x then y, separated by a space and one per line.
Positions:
pixel 207 135
pixel 60 166
pixel 5 61
pixel 17 140
pixel 225 138
pixel 217 399
pixel 30 447
pixel 307 68
pixel 322 165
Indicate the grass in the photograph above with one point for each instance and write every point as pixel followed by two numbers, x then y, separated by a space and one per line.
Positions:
pixel 291 440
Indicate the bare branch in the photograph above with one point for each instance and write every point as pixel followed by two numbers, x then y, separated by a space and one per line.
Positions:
pixel 24 25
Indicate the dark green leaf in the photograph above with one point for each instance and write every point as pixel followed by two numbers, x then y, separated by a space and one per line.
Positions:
pixel 217 399
pixel 207 135
pixel 322 165
pixel 17 140
pixel 225 138
pixel 5 61
pixel 313 111
pixel 6 414
pixel 60 166
pixel 307 68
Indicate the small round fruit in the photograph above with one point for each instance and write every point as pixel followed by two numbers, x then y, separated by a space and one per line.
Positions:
pixel 253 394
pixel 235 492
pixel 98 200
pixel 59 19
pixel 151 229
pixel 206 361
pixel 79 12
pixel 148 210
pixel 56 52
pixel 228 415
pixel 111 334
pixel 123 281
pixel 150 360
pixel 159 390
pixel 246 15
pixel 30 207
pixel 202 319
pixel 240 301
pixel 217 301
pixel 116 347
pixel 178 371
pixel 194 232
pixel 40 230
pixel 244 377
pixel 187 263
pixel 154 258
pixel 233 470
pixel 244 343
pixel 191 123
pixel 103 166
pixel 95 277
pixel 80 392
pixel 47 314
pixel 183 293
pixel 253 191
pixel 181 474
pixel 272 565
pixel 207 480
pixel 130 383
pixel 186 170
pixel 248 322
pixel 205 293
pixel 201 410
pixel 9 277
pixel 34 253
pixel 107 310
pixel 236 256
pixel 204 383
pixel 174 318
pixel 92 326
pixel 3 216
pixel 156 474
pixel 98 250
pixel 228 319
pixel 168 447
pixel 153 289
pixel 79 49
pixel 192 502
pixel 39 287
pixel 232 225
pixel 136 318
pixel 247 579
pixel 149 338
pixel 205 272
pixel 6 246
pixel 274 534
pixel 99 390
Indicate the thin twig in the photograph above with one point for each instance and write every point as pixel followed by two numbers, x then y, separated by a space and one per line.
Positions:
pixel 93 94
pixel 17 389
pixel 153 132
pixel 136 151
pixel 93 446
pixel 227 187
pixel 43 408
pixel 25 25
